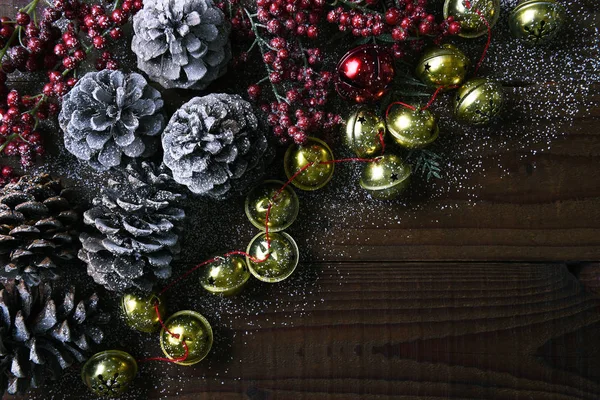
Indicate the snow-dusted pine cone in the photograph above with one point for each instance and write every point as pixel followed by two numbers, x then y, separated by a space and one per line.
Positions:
pixel 42 333
pixel 181 43
pixel 136 229
pixel 214 144
pixel 38 229
pixel 110 115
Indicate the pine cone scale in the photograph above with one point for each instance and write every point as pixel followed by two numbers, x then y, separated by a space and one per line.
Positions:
pixel 135 222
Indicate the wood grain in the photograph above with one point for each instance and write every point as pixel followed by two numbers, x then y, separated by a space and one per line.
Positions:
pixel 366 318
pixel 401 331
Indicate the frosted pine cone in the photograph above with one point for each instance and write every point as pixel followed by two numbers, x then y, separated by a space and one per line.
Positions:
pixel 181 43
pixel 136 230
pixel 213 144
pixel 38 229
pixel 108 115
pixel 42 334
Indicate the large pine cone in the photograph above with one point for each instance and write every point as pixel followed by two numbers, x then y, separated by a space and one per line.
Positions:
pixel 137 229
pixel 213 144
pixel 38 229
pixel 109 116
pixel 42 334
pixel 181 43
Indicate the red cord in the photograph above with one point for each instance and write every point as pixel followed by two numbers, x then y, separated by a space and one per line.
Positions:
pixel 243 253
pixel 175 335
pixel 286 184
pixel 489 31
pixel 382 140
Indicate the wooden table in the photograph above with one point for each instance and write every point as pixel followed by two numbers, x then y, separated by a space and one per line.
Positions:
pixel 462 299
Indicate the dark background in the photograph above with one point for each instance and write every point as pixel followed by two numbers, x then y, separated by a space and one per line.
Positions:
pixel 476 286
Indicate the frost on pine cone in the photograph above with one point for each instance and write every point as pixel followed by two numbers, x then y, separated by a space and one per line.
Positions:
pixel 136 229
pixel 38 229
pixel 41 334
pixel 181 43
pixel 109 115
pixel 213 145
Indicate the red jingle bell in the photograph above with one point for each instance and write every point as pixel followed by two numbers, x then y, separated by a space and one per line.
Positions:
pixel 365 73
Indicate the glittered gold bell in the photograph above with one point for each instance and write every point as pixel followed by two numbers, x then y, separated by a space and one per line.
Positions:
pixel 536 22
pixel 412 129
pixel 282 261
pixel 471 23
pixel 284 208
pixel 313 151
pixel 364 130
pixel 139 311
pixel 443 65
pixel 226 276
pixel 385 178
pixel 478 101
pixel 191 327
pixel 109 373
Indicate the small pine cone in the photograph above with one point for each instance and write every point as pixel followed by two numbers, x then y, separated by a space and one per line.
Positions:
pixel 215 146
pixel 41 334
pixel 109 116
pixel 181 43
pixel 136 229
pixel 38 229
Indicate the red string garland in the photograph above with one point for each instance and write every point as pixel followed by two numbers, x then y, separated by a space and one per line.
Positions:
pixel 286 184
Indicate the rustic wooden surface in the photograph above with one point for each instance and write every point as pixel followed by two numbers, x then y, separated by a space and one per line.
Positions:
pixel 479 303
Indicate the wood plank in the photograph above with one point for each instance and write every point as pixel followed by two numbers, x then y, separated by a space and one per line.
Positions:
pixel 387 331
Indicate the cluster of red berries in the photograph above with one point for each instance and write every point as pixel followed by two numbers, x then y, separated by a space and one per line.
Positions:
pixel 299 87
pixel 408 20
pixel 29 45
pixel 18 133
pixel 301 114
pixel 295 17
pixel 25 45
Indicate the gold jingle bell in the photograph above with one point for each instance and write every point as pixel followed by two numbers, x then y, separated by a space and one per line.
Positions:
pixel 364 130
pixel 191 327
pixel 139 311
pixel 109 373
pixel 313 151
pixel 443 65
pixel 412 129
pixel 385 178
pixel 478 101
pixel 471 23
pixel 536 22
pixel 284 207
pixel 282 261
pixel 225 276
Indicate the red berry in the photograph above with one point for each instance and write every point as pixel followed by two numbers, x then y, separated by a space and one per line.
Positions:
pixel 103 21
pixel 112 64
pixel 116 33
pixel 48 89
pixel 7 171
pixel 392 16
pixel 55 76
pixel 60 50
pixel 118 17
pixel 312 32
pixel 99 42
pixel 454 28
pixel 13 99
pixel 97 10
pixel 254 91
pixel 22 18
pixel 69 62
